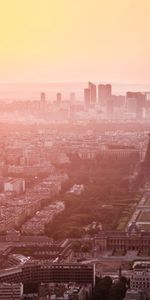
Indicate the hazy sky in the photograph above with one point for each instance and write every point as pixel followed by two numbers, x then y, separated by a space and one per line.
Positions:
pixel 75 40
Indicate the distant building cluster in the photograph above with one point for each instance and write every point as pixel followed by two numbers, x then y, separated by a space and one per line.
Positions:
pixel 133 106
pixel 32 168
pixel 16 208
pixel 36 225
pixel 98 103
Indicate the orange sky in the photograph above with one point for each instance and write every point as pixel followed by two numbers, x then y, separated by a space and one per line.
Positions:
pixel 75 40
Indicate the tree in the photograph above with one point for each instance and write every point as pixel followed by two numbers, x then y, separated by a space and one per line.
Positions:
pixel 102 288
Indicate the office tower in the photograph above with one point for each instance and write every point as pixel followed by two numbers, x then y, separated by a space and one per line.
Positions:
pixel 119 101
pixel 140 100
pixel 92 88
pixel 72 97
pixel 110 108
pixel 104 93
pixel 43 97
pixel 140 97
pixel 131 106
pixel 87 98
pixel 58 98
pixel 147 96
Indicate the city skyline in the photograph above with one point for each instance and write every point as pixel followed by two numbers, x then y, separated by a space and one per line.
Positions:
pixel 74 150
pixel 74 41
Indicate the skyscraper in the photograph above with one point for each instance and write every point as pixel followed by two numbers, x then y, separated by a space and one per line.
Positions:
pixel 87 98
pixel 58 98
pixel 43 97
pixel 92 88
pixel 104 93
pixel 72 97
pixel 140 99
pixel 110 108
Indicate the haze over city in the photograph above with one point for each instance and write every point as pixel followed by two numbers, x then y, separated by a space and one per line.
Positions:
pixel 74 150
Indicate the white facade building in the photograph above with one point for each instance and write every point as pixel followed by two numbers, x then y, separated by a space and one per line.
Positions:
pixel 15 185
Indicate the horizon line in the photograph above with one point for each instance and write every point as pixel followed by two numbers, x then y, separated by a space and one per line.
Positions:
pixel 70 82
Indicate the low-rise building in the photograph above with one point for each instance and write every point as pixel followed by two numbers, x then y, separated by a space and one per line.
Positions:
pixel 9 291
pixel 65 291
pixel 132 294
pixel 15 185
pixel 76 189
pixel 140 280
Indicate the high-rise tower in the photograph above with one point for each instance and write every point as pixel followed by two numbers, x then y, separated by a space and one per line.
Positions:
pixel 58 98
pixel 104 93
pixel 90 95
pixel 92 88
pixel 87 98
pixel 43 97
